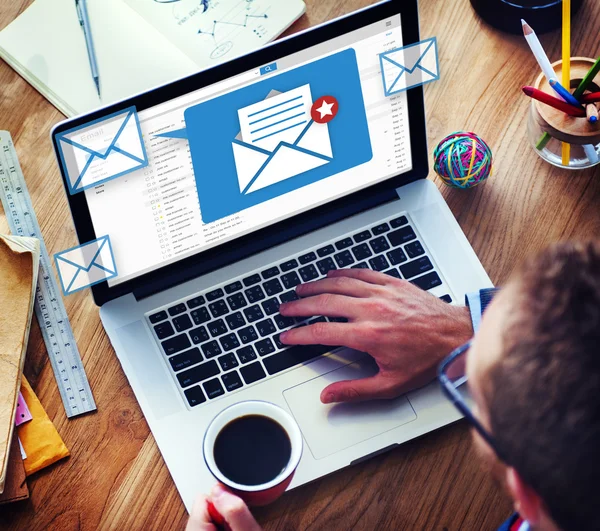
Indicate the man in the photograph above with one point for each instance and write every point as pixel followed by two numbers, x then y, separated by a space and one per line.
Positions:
pixel 533 372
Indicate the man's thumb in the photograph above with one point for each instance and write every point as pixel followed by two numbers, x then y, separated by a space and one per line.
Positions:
pixel 358 390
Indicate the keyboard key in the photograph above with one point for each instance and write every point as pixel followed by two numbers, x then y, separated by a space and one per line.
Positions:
pixel 277 341
pixel 265 347
pixel 251 280
pixel 164 330
pixel 398 222
pixel 428 281
pixel 255 294
pixel 361 251
pixel 213 388
pixel 270 273
pixel 327 250
pixel 400 236
pixel 227 362
pixel 337 319
pixel 317 320
pixel 416 267
pixel 283 322
pixel 289 296
pixel 307 258
pixel 273 287
pixel 393 273
pixel 248 334
pixel 185 359
pixel 380 229
pixel 446 298
pixel 360 265
pixel 218 308
pixel 290 280
pixel 271 306
pixel 232 288
pixel 308 273
pixel 195 302
pixel 158 317
pixel 293 356
pixel 379 263
pixel 414 249
pixel 289 265
pixel 344 259
pixel 182 323
pixel 235 320
pixel 236 301
pixel 200 316
pixel 362 236
pixel 211 349
pixel 253 372
pixel 326 265
pixel 199 335
pixel 229 342
pixel 232 381
pixel 198 374
pixel 379 245
pixel 176 344
pixel 176 310
pixel 217 328
pixel 214 295
pixel 195 396
pixel 246 354
pixel 266 327
pixel 397 256
pixel 344 244
pixel 254 313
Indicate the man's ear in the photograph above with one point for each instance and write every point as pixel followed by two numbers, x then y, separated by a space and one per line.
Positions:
pixel 527 502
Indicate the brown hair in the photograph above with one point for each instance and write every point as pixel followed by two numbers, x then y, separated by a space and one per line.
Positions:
pixel 545 393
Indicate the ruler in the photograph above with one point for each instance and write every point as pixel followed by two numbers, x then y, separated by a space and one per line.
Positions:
pixel 50 311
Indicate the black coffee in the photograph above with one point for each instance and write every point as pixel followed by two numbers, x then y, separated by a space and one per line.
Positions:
pixel 252 450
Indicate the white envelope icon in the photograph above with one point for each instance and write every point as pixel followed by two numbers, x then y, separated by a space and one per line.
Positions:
pixel 85 265
pixel 279 140
pixel 102 150
pixel 410 66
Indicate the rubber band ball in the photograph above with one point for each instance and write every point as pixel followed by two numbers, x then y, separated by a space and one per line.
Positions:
pixel 463 160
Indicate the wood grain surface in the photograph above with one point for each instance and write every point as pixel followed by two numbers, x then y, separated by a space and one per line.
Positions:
pixel 116 478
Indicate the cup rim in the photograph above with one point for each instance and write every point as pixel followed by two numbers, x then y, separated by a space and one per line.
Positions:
pixel 253 407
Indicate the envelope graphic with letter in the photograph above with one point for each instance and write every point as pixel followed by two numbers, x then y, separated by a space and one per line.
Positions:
pixel 102 150
pixel 279 140
pixel 410 66
pixel 85 265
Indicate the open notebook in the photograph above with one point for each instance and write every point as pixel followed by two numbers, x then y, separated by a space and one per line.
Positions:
pixel 139 44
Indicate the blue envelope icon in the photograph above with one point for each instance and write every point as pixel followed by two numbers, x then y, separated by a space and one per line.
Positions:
pixel 102 150
pixel 85 265
pixel 410 66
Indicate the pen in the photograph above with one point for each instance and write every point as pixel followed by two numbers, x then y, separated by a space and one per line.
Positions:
pixel 592 113
pixel 564 93
pixel 589 77
pixel 84 20
pixel 538 51
pixel 571 110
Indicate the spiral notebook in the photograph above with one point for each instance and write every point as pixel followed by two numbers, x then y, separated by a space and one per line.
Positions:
pixel 139 44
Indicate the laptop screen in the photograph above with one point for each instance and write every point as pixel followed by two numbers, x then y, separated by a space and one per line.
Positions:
pixel 250 151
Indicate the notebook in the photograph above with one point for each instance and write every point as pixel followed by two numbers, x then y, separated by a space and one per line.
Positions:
pixel 139 44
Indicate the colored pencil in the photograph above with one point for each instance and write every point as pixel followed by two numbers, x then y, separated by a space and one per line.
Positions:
pixel 564 93
pixel 566 67
pixel 593 97
pixel 539 95
pixel 592 113
pixel 585 82
pixel 538 51
pixel 591 153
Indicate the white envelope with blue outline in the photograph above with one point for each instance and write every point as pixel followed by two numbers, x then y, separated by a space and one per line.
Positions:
pixel 410 66
pixel 279 140
pixel 85 265
pixel 102 150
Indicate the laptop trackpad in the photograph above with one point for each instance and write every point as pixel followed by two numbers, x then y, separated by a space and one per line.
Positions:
pixel 329 428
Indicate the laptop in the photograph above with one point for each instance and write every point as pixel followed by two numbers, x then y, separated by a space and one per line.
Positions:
pixel 249 178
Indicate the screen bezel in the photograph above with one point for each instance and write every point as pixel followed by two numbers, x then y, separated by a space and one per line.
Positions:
pixel 277 233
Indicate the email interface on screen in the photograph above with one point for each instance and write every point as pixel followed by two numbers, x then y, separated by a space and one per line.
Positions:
pixel 245 153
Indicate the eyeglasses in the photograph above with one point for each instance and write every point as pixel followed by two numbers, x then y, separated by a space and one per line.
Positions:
pixel 452 376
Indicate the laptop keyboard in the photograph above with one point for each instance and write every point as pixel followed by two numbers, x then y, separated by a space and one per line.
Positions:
pixel 227 338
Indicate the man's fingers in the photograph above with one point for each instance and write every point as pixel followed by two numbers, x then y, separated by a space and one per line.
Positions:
pixel 325 304
pixel 366 275
pixel 330 334
pixel 199 517
pixel 340 285
pixel 233 509
pixel 375 387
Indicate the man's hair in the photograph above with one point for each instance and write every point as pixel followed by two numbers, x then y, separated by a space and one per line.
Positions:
pixel 545 394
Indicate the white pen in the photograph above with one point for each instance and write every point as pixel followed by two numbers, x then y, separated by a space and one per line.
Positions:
pixel 538 51
pixel 84 20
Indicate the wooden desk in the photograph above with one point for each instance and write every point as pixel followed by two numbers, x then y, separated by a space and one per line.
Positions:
pixel 116 478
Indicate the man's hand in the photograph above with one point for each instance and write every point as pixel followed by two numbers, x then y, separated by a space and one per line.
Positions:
pixel 232 509
pixel 407 331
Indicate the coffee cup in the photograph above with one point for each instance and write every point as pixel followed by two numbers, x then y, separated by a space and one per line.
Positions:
pixel 253 448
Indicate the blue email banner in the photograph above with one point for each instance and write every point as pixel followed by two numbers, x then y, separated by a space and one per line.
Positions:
pixel 259 142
